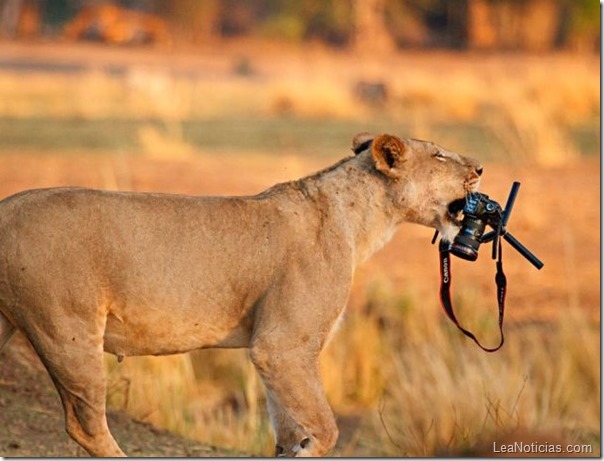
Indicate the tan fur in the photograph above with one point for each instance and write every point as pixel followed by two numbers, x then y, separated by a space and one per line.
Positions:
pixel 84 271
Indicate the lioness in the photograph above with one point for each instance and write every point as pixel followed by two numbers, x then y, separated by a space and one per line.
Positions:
pixel 86 271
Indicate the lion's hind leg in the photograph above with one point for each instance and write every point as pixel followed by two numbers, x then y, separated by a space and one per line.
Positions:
pixel 73 356
pixel 86 422
pixel 6 331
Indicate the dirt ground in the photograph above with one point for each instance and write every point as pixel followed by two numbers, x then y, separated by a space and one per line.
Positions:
pixel 32 424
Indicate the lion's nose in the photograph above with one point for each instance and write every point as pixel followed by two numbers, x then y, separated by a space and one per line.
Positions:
pixel 479 170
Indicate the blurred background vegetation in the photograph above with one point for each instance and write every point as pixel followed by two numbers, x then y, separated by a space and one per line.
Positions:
pixel 530 25
pixel 157 96
pixel 231 96
pixel 161 67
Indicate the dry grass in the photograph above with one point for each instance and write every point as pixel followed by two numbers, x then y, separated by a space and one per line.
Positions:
pixel 444 395
pixel 530 104
pixel 422 388
pixel 395 353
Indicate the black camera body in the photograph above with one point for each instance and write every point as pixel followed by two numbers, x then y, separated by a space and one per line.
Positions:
pixel 479 211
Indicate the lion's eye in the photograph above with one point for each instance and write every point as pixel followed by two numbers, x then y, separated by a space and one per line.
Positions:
pixel 438 155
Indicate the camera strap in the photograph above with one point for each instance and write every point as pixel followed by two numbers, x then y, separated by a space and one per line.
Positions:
pixel 445 296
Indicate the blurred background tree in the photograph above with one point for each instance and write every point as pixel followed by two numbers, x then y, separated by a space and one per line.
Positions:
pixel 376 25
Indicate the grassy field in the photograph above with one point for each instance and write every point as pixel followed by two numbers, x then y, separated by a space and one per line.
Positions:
pixel 508 108
pixel 401 379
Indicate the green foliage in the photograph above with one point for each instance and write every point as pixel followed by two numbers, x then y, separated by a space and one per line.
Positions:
pixel 297 20
pixel 411 23
pixel 583 23
pixel 283 27
pixel 585 15
pixel 330 20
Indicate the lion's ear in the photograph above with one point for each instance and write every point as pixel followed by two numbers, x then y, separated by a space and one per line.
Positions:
pixel 388 154
pixel 361 142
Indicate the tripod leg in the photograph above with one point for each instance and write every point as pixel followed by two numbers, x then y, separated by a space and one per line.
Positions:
pixel 520 248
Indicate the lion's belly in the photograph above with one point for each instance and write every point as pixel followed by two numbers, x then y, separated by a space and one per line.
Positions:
pixel 146 329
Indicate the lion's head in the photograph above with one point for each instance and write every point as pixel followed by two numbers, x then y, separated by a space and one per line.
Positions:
pixel 425 179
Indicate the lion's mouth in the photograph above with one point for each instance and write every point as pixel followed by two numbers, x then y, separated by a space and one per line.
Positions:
pixel 449 222
pixel 451 219
pixel 454 210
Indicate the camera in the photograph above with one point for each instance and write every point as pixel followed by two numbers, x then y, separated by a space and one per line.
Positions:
pixel 478 211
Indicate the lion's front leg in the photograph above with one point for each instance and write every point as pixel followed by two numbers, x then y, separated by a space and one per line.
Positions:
pixel 288 433
pixel 303 420
pixel 292 326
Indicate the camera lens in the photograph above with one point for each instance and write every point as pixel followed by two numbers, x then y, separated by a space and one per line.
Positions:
pixel 467 242
pixel 465 249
